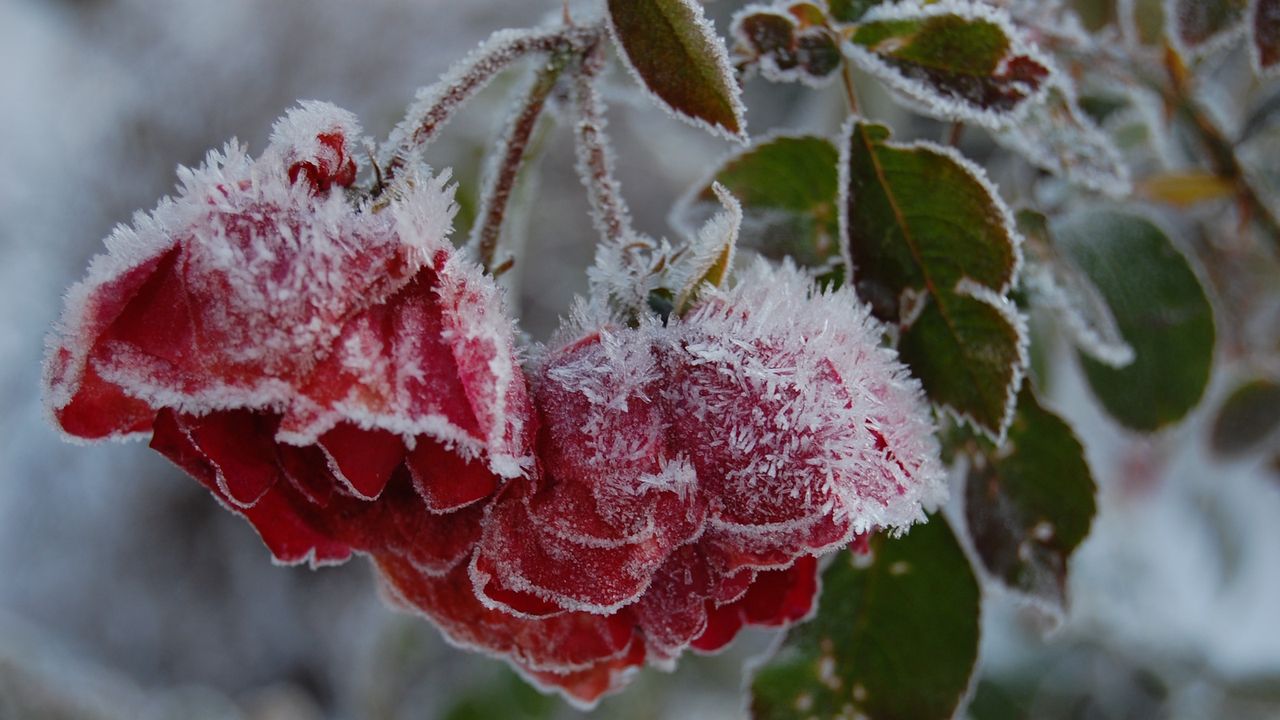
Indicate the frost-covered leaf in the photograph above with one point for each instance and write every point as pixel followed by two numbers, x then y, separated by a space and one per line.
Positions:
pixel 505 696
pixel 932 247
pixel 1054 283
pixel 1250 415
pixel 1056 135
pixel 1201 26
pixel 787 187
pixel 787 44
pixel 896 636
pixel 850 10
pixel 709 256
pixel 675 53
pixel 1030 504
pixel 956 60
pixel 1264 35
pixel 1160 307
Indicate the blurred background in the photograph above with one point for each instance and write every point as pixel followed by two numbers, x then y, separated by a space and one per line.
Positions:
pixel 125 592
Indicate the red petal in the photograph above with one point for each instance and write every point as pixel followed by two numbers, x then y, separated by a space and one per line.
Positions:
pixel 362 459
pixel 564 643
pixel 673 610
pixel 723 624
pixel 241 447
pixel 778 597
pixel 100 409
pixel 445 479
pixel 585 687
pixel 290 537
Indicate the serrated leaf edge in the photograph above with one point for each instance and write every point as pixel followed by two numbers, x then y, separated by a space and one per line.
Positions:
pixel 721 56
pixel 924 98
pixel 995 297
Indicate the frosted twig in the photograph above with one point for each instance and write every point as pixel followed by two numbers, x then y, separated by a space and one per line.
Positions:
pixel 436 104
pixel 501 176
pixel 609 210
pixel 1222 155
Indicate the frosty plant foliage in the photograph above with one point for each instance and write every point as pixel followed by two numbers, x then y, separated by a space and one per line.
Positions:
pixel 748 425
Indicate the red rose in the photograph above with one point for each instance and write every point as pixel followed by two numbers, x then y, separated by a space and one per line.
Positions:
pixel 324 364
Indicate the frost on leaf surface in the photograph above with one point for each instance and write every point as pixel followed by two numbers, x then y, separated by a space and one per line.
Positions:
pixel 673 51
pixel 779 43
pixel 957 60
pixel 299 352
pixel 1197 27
pixel 1056 135
pixel 1055 283
pixel 932 247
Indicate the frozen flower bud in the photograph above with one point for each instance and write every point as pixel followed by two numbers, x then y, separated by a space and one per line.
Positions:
pixel 329 368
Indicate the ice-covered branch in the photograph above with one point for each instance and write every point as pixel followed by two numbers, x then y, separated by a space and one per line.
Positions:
pixel 504 169
pixel 436 104
pixel 609 210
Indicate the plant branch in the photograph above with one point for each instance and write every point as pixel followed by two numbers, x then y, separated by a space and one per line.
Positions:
pixel 501 178
pixel 609 211
pixel 436 104
pixel 1222 155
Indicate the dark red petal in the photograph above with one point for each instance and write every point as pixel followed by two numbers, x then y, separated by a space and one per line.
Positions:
pixel 723 624
pixel 287 534
pixel 564 643
pixel 241 446
pixel 586 687
pixel 778 597
pixel 362 459
pixel 100 409
pixel 434 543
pixel 307 470
pixel 673 610
pixel 157 323
pixel 445 479
pixel 552 547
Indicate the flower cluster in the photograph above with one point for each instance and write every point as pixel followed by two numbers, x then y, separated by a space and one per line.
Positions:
pixel 329 367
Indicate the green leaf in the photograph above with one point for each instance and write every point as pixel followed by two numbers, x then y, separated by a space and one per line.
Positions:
pixel 932 247
pixel 1264 35
pixel 1250 415
pixel 955 61
pixel 896 636
pixel 787 187
pixel 1030 504
pixel 675 53
pixel 506 696
pixel 850 10
pixel 1160 308
pixel 1054 283
pixel 1056 135
pixel 1202 25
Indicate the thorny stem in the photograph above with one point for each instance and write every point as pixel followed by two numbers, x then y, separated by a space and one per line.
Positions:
pixel 1221 151
pixel 502 177
pixel 437 104
pixel 595 164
